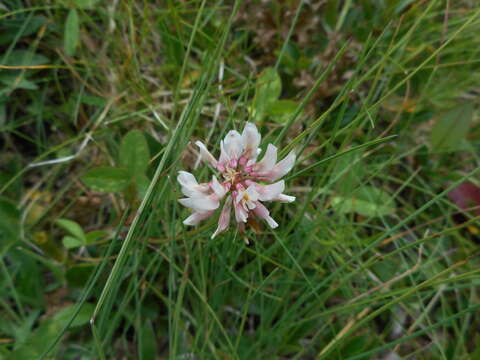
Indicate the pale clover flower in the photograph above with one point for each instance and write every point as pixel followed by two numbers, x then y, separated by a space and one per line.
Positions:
pixel 244 184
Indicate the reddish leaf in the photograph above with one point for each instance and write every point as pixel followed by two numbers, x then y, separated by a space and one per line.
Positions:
pixel 466 196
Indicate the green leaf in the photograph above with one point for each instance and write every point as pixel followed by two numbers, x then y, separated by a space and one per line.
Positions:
pixel 349 172
pixel 25 58
pixel 78 275
pixel 367 201
pixel 281 110
pixel 96 235
pixel 134 152
pixel 92 100
pixel 9 223
pixel 268 90
pixel 141 183
pixel 107 179
pixel 17 81
pixel 19 26
pixel 72 32
pixel 47 332
pixel 71 242
pixel 73 228
pixel 451 129
pixel 148 342
pixel 82 318
pixel 85 4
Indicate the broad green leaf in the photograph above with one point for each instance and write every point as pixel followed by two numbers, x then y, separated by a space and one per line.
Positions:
pixel 95 235
pixel 134 153
pixel 141 183
pixel 92 100
pixel 148 342
pixel 281 110
pixel 331 14
pixel 9 223
pixel 20 25
pixel 354 346
pixel 107 179
pixel 86 4
pixel 268 90
pixel 82 318
pixel 71 242
pixel 46 333
pixel 25 58
pixel 451 129
pixel 73 228
pixel 3 118
pixel 72 32
pixel 77 276
pixel 17 81
pixel 367 201
pixel 348 173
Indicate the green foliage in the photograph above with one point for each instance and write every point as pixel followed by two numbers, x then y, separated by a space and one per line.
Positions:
pixel 9 224
pixel 38 341
pixel 366 200
pixel 134 161
pixel 108 179
pixel 86 4
pixel 268 89
pixel 72 32
pixel 134 152
pixel 451 129
pixel 100 105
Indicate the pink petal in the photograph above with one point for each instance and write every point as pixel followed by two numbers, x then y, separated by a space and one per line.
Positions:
pixel 279 170
pixel 205 154
pixel 224 219
pixel 268 161
pixel 201 203
pixel 263 213
pixel 251 139
pixel 217 188
pixel 270 192
pixel 197 216
pixel 241 214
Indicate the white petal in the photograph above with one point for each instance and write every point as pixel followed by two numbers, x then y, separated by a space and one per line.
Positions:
pixel 241 214
pixel 262 212
pixel 217 188
pixel 284 166
pixel 233 144
pixel 205 154
pixel 201 203
pixel 279 170
pixel 252 193
pixel 196 191
pixel 285 198
pixel 186 179
pixel 268 161
pixel 224 219
pixel 251 139
pixel 272 223
pixel 190 186
pixel 197 216
pixel 270 192
pixel 224 157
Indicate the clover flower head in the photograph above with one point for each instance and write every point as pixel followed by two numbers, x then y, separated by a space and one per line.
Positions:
pixel 244 183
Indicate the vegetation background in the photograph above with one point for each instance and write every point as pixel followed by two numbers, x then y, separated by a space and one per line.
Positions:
pixel 100 102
